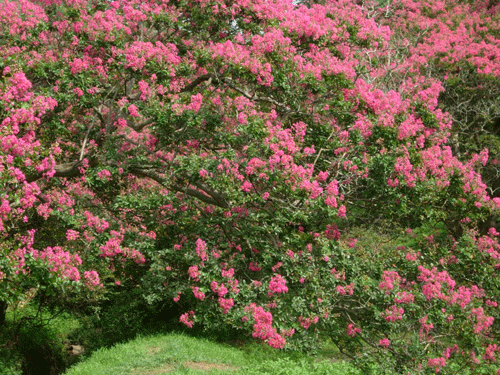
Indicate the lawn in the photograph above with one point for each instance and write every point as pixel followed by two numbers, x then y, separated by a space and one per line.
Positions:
pixel 181 354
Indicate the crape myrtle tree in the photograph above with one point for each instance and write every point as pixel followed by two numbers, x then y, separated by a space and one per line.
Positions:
pixel 232 157
pixel 454 44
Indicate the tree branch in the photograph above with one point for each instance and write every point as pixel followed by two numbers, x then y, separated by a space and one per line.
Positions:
pixel 209 197
pixel 67 170
pixel 196 82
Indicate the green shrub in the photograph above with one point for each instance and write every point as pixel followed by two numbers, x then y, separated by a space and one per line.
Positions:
pixel 119 318
pixel 42 351
pixel 10 363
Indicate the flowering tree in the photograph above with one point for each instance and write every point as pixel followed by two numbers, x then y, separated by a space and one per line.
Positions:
pixel 232 156
pixel 453 48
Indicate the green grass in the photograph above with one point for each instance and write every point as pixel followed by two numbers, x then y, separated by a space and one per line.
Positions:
pixel 180 354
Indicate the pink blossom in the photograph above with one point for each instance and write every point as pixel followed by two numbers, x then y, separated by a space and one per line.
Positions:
pixel 194 273
pixel 201 249
pixel 72 235
pixel 411 257
pixel 177 298
pixel 352 242
pixel 306 322
pixel 246 186
pixel 254 267
pixel 263 327
pixel 483 322
pixel 384 343
pixel 228 274
pixel 132 109
pixel 197 293
pixel 277 285
pixel 226 304
pixel 196 102
pixel 242 118
pixel 352 330
pixel 78 91
pixel 393 314
pixel 332 232
pixel 404 297
pixel 393 183
pixel 389 279
pixel 220 290
pixel 104 175
pixel 436 363
pixel 277 266
pixel 91 278
pixel 185 319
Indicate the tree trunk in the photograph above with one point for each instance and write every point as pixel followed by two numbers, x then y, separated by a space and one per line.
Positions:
pixel 3 310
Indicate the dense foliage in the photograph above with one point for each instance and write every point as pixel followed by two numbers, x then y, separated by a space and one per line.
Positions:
pixel 246 160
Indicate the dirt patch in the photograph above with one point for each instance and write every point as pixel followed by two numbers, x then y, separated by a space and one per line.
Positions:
pixel 205 366
pixel 200 366
pixel 165 369
pixel 153 350
pixel 171 367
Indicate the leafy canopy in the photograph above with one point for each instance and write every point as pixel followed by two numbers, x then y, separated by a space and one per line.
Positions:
pixel 295 171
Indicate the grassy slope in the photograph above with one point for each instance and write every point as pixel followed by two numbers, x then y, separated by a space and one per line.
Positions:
pixel 181 354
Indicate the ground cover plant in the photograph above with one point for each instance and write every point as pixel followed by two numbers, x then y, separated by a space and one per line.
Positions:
pixel 239 164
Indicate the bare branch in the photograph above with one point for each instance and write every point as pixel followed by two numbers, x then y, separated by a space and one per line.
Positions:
pixel 67 170
pixel 196 82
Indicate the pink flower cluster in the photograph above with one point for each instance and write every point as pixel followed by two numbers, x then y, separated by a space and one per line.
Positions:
pixel 72 235
pixel 393 313
pixel 226 304
pixel 228 273
pixel 138 53
pixel 352 330
pixel 389 279
pixel 194 273
pixel 306 322
pixel 483 322
pixel 94 222
pixel 113 247
pixel 220 290
pixel 60 262
pixel 92 278
pixel 332 232
pixel 197 293
pixel 262 328
pixel 277 285
pixel 436 363
pixel 433 282
pixel 104 175
pixel 404 297
pixel 384 343
pixel 185 319
pixel 254 267
pixel 345 290
pixel 201 249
